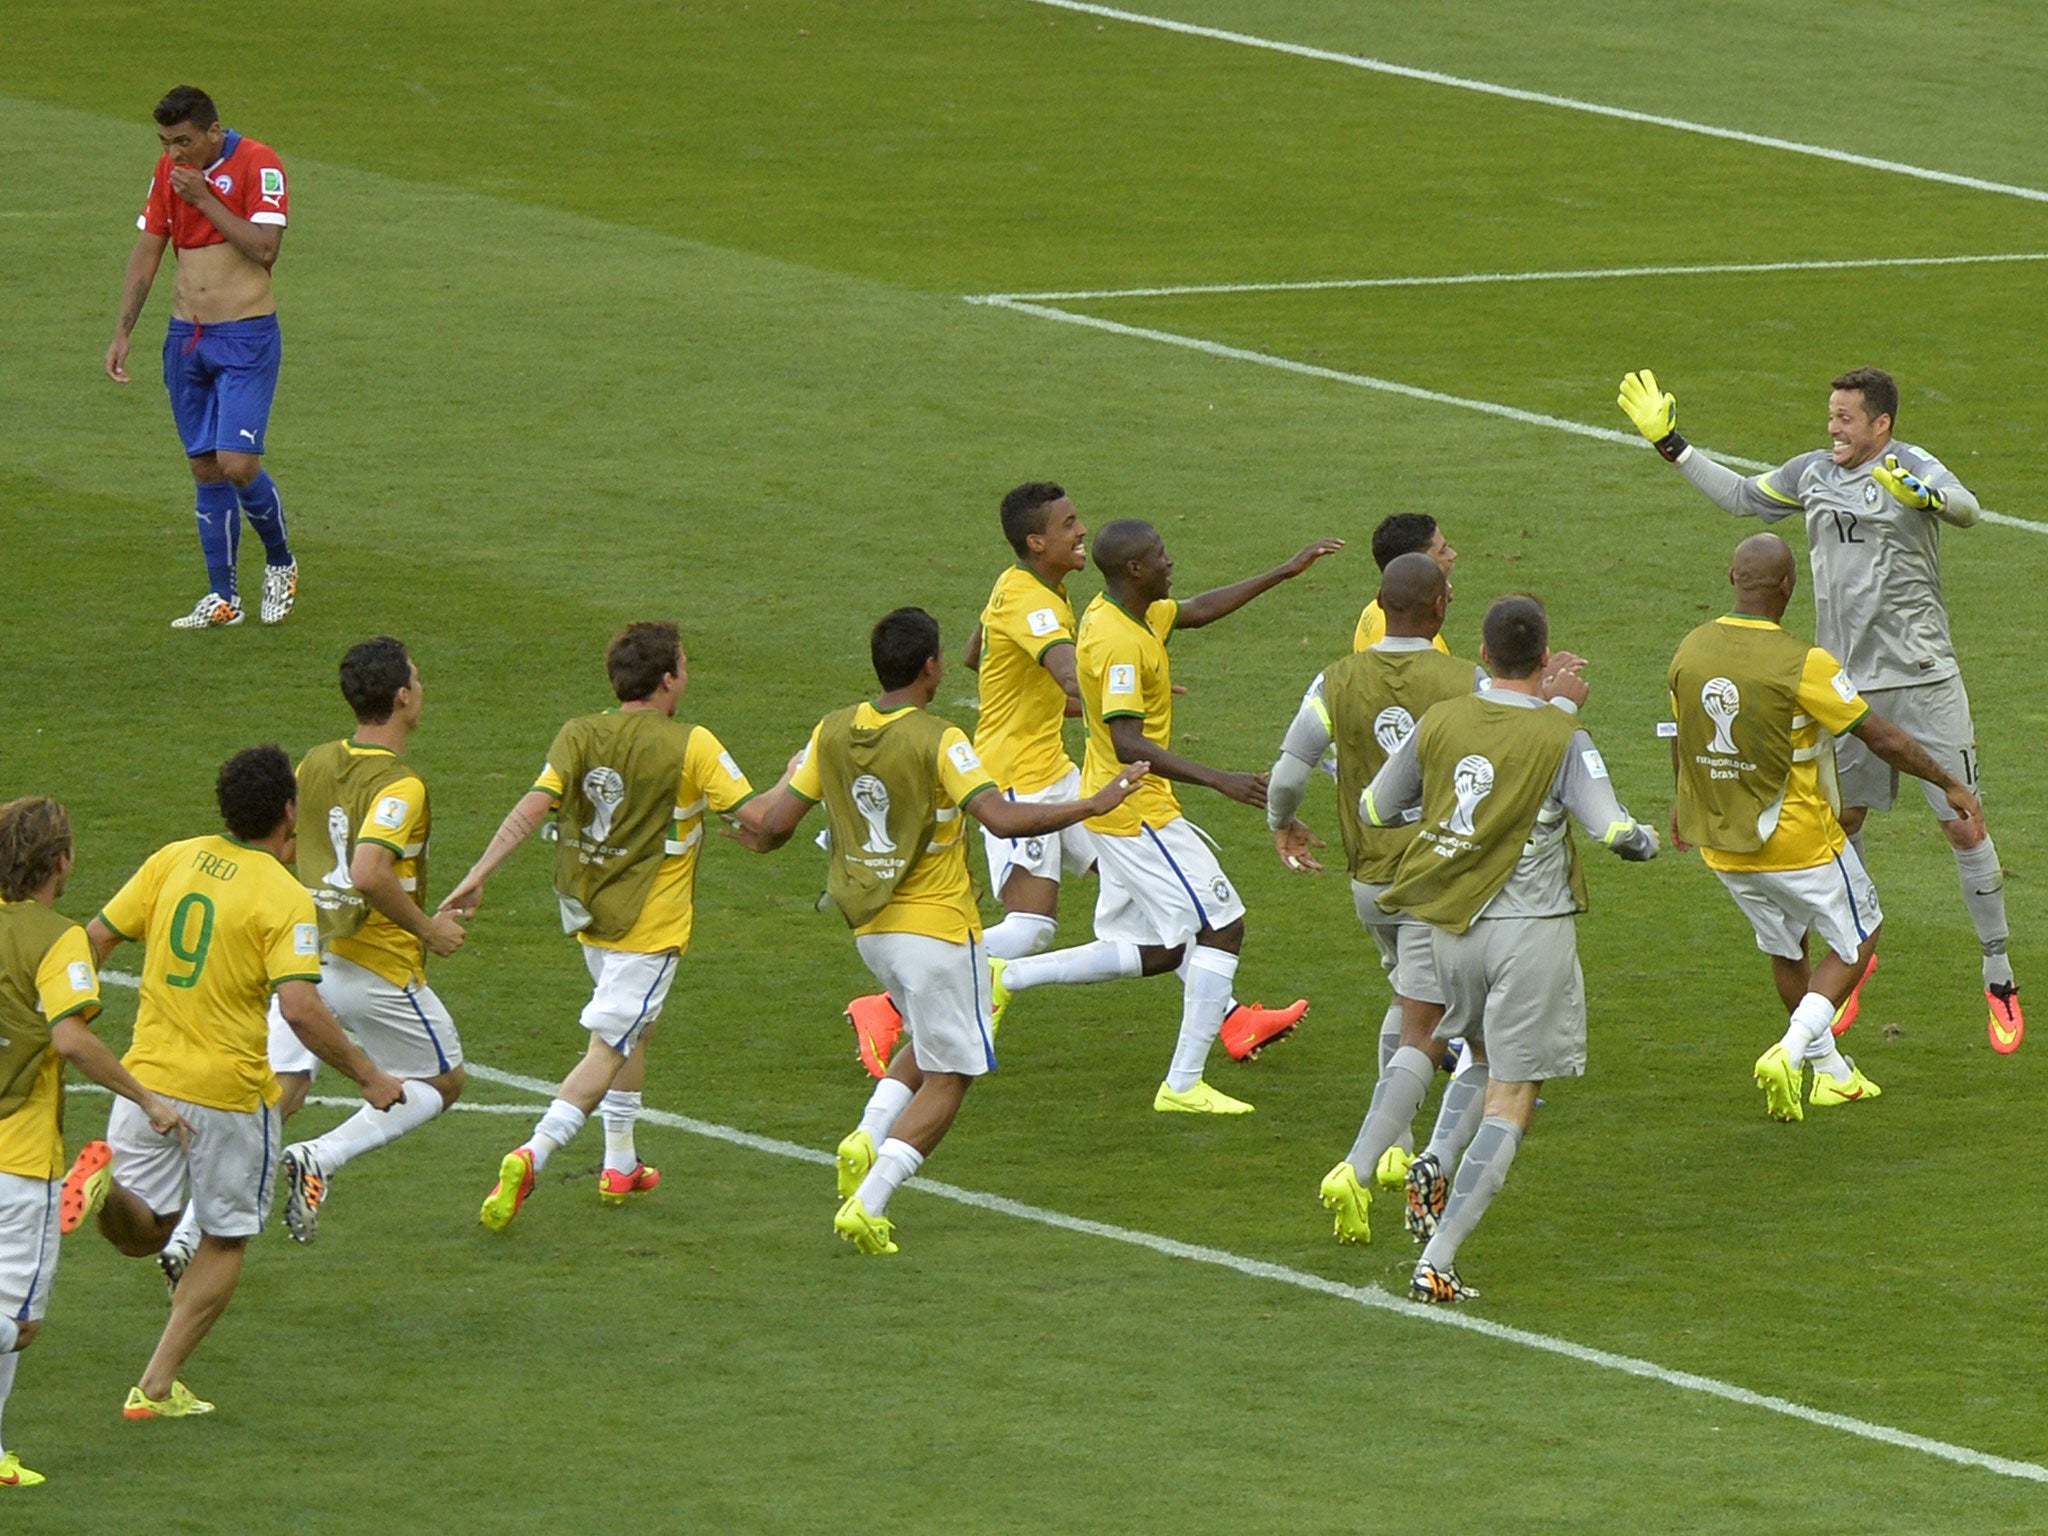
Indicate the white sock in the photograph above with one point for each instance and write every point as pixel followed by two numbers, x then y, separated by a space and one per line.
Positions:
pixel 7 1364
pixel 1020 934
pixel 368 1129
pixel 557 1128
pixel 1810 1025
pixel 1103 960
pixel 1205 999
pixel 895 1161
pixel 884 1105
pixel 185 1235
pixel 619 1109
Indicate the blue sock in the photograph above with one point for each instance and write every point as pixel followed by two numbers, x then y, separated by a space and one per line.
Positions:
pixel 266 515
pixel 219 522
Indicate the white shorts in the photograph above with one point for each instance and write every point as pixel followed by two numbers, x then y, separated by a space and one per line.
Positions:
pixel 1050 853
pixel 1835 900
pixel 1937 715
pixel 630 989
pixel 1405 951
pixel 229 1171
pixel 405 1030
pixel 1162 886
pixel 28 1245
pixel 941 990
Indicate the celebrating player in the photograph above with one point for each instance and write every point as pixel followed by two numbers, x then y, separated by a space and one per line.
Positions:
pixel 628 790
pixel 219 200
pixel 894 779
pixel 1403 533
pixel 49 995
pixel 1752 703
pixel 1493 870
pixel 223 924
pixel 1165 903
pixel 1874 508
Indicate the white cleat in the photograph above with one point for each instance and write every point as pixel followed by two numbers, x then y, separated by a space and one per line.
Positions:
pixel 280 591
pixel 211 612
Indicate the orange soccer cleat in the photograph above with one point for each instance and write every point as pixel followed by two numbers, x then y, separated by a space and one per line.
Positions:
pixel 1250 1027
pixel 1846 1014
pixel 2008 1025
pixel 876 1028
pixel 613 1186
pixel 85 1186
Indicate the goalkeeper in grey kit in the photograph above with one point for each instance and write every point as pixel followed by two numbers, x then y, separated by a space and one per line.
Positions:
pixel 1874 508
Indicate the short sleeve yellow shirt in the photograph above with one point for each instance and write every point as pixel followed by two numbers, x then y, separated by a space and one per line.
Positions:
pixel 1022 707
pixel 66 986
pixel 1372 629
pixel 397 822
pixel 1124 673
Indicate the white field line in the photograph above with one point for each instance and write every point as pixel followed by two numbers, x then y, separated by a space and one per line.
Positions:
pixel 1546 99
pixel 1474 279
pixel 1392 387
pixel 1280 1274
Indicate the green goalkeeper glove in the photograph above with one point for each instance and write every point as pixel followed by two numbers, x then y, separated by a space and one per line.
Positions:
pixel 1907 486
pixel 1654 413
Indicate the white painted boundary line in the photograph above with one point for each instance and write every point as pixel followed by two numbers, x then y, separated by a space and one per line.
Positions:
pixel 1474 279
pixel 1545 99
pixel 1393 387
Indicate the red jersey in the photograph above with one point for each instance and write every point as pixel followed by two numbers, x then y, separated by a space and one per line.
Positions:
pixel 248 177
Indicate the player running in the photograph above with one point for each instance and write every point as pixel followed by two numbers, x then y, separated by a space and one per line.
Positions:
pixel 1493 870
pixel 894 779
pixel 1165 904
pixel 628 790
pixel 1403 533
pixel 223 924
pixel 219 200
pixel 1874 508
pixel 49 996
pixel 1757 713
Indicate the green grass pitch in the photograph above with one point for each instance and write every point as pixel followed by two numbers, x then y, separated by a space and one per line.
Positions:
pixel 629 310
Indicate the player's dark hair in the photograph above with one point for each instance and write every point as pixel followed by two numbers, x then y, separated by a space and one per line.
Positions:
pixel 186 104
pixel 1517 633
pixel 371 675
pixel 35 834
pixel 640 656
pixel 901 643
pixel 1024 511
pixel 1117 544
pixel 1405 533
pixel 253 790
pixel 1880 390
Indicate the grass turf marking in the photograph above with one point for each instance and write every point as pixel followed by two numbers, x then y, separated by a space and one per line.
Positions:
pixel 1391 386
pixel 1546 99
pixel 1467 279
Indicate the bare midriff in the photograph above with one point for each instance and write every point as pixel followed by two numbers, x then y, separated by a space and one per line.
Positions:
pixel 217 283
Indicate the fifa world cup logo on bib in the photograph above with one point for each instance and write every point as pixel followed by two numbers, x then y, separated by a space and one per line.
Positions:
pixel 337 834
pixel 1390 727
pixel 607 792
pixel 871 799
pixel 1473 781
pixel 1723 701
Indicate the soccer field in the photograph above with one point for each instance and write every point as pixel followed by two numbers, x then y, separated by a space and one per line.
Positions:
pixel 747 316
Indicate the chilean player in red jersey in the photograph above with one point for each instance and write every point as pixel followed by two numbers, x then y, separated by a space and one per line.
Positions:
pixel 218 199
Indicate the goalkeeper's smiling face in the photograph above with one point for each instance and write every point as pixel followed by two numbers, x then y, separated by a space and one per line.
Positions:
pixel 1856 437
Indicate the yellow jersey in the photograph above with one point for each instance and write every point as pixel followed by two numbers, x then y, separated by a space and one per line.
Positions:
pixel 1022 708
pixel 710 780
pixel 1808 832
pixel 398 820
pixel 61 984
pixel 1124 673
pixel 222 925
pixel 1372 629
pixel 936 898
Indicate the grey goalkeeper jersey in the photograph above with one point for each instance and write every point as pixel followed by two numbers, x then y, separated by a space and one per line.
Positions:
pixel 1876 561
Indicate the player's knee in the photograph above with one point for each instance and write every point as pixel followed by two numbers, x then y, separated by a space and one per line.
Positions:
pixel 206 469
pixel 449 1085
pixel 240 468
pixel 1964 835
pixel 1853 817
pixel 1230 936
pixel 25 1334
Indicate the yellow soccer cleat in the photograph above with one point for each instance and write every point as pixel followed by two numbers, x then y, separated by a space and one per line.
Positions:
pixel 1828 1091
pixel 1198 1100
pixel 181 1404
pixel 998 994
pixel 870 1234
pixel 1778 1075
pixel 14 1475
pixel 856 1157
pixel 1350 1202
pixel 1392 1172
pixel 515 1183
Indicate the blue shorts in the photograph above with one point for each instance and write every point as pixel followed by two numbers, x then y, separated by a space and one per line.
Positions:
pixel 221 379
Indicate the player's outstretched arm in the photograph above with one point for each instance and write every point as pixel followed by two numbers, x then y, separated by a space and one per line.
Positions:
pixel 321 1033
pixel 135 284
pixel 533 809
pixel 1224 601
pixel 1588 794
pixel 1017 818
pixel 77 1044
pixel 1927 489
pixel 1895 747
pixel 1654 412
pixel 373 869
pixel 1127 735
